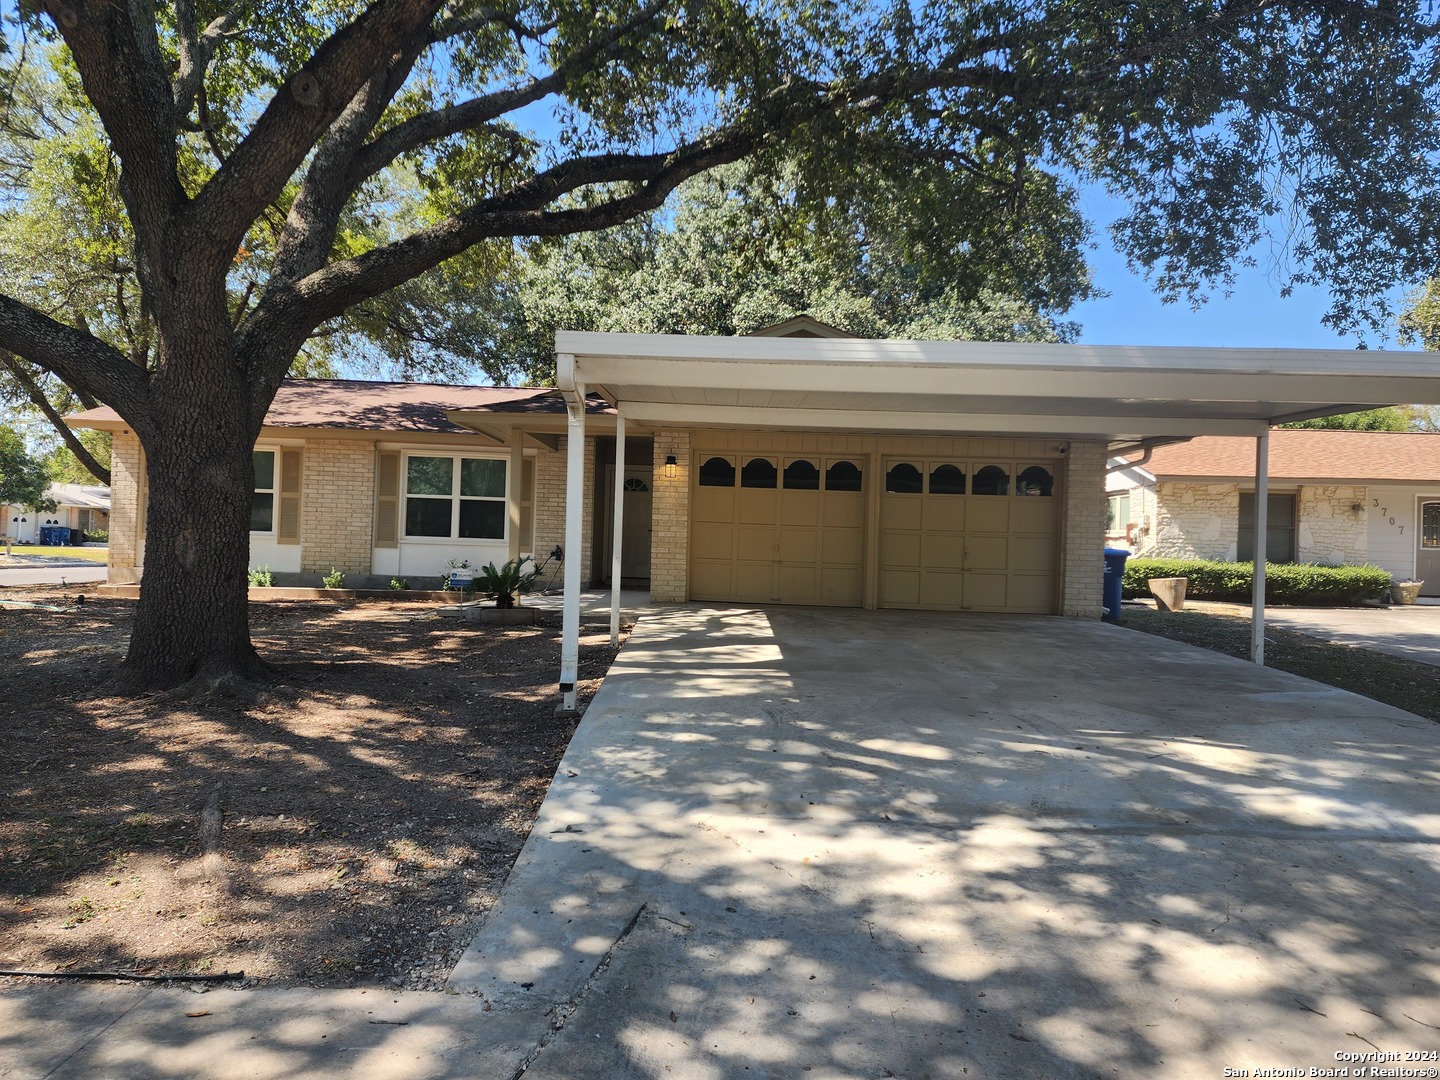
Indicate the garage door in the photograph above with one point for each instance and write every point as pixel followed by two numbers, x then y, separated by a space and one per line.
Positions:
pixel 972 535
pixel 775 529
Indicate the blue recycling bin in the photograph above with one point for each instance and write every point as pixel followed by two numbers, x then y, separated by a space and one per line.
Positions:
pixel 1114 579
pixel 54 535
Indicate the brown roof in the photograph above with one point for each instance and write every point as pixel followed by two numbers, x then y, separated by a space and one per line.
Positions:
pixel 1304 454
pixel 389 406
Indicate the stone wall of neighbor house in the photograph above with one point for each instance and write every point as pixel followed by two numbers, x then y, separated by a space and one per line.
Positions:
pixel 670 518
pixel 1195 521
pixel 1084 538
pixel 337 506
pixel 1332 525
pixel 550 511
pixel 127 472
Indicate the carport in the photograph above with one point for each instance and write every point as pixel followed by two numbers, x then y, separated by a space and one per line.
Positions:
pixel 1123 399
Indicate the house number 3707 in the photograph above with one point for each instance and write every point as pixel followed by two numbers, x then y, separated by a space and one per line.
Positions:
pixel 1385 512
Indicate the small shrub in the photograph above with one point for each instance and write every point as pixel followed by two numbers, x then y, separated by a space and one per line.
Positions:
pixel 261 578
pixel 334 579
pixel 97 536
pixel 507 581
pixel 399 584
pixel 1298 584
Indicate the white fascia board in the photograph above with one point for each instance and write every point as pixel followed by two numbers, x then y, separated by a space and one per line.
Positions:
pixel 589 347
pixel 617 375
pixel 881 420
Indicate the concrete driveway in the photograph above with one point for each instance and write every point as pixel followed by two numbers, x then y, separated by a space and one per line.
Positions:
pixel 848 844
pixel 1410 631
pixel 842 844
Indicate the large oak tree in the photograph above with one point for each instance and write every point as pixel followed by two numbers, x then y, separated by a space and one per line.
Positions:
pixel 254 142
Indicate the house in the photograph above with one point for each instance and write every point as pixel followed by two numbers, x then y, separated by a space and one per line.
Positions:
pixel 1335 497
pixel 790 467
pixel 79 508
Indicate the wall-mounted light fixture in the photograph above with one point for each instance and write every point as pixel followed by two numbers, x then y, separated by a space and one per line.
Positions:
pixel 1357 509
pixel 672 466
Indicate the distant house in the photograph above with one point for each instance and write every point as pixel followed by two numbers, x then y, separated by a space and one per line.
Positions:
pixel 78 507
pixel 1336 497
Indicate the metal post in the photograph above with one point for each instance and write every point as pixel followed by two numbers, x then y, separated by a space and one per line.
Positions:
pixel 619 529
pixel 574 526
pixel 1262 506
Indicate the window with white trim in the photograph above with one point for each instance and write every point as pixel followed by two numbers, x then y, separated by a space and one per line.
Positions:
pixel 262 494
pixel 454 497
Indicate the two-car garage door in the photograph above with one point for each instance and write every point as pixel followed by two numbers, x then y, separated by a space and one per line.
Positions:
pixel 950 531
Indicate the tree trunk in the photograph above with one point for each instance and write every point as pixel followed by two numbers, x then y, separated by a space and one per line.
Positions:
pixel 193 618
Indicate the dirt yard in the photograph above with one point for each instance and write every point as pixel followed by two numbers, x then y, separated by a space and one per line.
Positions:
pixel 372 803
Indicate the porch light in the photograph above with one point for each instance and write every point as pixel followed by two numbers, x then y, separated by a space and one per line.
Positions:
pixel 671 466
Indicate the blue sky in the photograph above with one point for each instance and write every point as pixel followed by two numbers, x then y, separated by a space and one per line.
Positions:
pixel 1253 315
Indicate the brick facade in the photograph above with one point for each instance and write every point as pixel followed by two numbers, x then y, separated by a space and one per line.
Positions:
pixel 1083 570
pixel 127 477
pixel 337 506
pixel 670 520
pixel 550 508
pixel 1195 521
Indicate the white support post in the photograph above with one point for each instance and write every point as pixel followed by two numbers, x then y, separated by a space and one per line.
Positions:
pixel 618 523
pixel 1262 506
pixel 574 544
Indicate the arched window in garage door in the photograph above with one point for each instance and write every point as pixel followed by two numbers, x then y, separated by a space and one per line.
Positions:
pixel 904 479
pixel 991 480
pixel 717 472
pixel 758 473
pixel 802 475
pixel 843 476
pixel 1035 480
pixel 947 480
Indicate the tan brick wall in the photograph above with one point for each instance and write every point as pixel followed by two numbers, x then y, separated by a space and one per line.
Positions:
pixel 670 521
pixel 127 470
pixel 550 508
pixel 1084 531
pixel 337 506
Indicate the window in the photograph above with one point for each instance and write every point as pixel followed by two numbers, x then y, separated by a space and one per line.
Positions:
pixel 1430 525
pixel 843 476
pixel 634 483
pixel 947 480
pixel 903 479
pixel 1034 481
pixel 1279 528
pixel 455 497
pixel 1117 518
pixel 991 480
pixel 717 472
pixel 758 473
pixel 802 476
pixel 262 495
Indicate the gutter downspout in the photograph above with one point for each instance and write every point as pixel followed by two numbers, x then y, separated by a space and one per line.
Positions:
pixel 573 391
pixel 1138 463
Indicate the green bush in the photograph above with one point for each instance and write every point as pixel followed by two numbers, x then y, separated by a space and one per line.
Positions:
pixel 335 579
pixel 261 577
pixel 1300 584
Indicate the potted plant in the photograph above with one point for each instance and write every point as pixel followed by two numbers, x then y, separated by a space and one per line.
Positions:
pixel 1405 591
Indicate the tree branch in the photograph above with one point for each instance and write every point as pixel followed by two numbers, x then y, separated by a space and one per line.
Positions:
pixel 11 363
pixel 80 360
pixel 196 50
pixel 299 115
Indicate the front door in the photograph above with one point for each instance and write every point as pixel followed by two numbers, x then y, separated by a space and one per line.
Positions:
pixel 1427 548
pixel 635 543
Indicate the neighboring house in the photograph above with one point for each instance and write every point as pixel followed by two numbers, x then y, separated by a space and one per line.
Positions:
pixel 1336 497
pixel 78 507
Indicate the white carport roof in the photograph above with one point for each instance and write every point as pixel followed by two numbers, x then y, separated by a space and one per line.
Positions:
pixel 1127 394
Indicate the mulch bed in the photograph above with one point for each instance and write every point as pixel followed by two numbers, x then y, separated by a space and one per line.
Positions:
pixel 373 801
